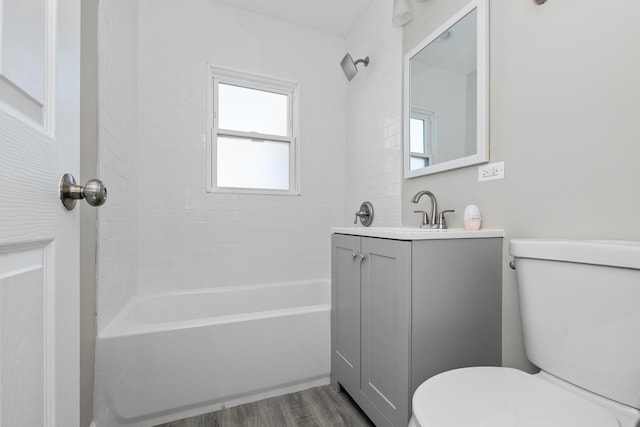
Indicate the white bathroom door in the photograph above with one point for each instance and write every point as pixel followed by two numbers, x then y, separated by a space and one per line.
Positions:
pixel 39 255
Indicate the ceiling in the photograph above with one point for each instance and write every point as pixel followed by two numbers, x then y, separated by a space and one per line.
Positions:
pixel 329 16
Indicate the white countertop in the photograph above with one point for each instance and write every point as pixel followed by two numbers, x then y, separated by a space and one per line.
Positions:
pixel 415 233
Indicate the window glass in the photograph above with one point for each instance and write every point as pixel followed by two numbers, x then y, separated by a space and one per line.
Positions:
pixel 419 162
pixel 420 138
pixel 417 137
pixel 252 110
pixel 250 163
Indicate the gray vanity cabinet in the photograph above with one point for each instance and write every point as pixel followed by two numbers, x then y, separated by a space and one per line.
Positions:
pixel 371 300
pixel 403 311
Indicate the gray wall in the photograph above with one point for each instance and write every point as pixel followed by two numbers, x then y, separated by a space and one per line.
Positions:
pixel 565 99
pixel 88 170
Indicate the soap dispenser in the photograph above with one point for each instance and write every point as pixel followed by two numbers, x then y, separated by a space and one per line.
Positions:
pixel 472 218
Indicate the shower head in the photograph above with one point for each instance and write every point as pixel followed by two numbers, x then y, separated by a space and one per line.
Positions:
pixel 349 66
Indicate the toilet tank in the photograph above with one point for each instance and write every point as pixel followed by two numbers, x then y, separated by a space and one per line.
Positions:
pixel 580 308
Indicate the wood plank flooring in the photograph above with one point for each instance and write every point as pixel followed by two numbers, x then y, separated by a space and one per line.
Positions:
pixel 315 407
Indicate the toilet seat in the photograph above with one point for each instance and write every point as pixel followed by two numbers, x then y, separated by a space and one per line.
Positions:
pixel 501 397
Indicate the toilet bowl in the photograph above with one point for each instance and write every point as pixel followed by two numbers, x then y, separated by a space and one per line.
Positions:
pixel 505 397
pixel 581 326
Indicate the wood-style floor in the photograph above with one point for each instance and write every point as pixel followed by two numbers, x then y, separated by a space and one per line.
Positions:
pixel 316 407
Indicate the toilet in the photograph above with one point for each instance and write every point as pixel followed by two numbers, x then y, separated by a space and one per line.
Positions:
pixel 580 308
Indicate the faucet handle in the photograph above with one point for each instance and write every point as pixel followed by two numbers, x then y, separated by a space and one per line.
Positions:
pixel 425 217
pixel 442 224
pixel 365 214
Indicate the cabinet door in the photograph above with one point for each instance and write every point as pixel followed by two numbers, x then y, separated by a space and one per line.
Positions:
pixel 345 311
pixel 386 301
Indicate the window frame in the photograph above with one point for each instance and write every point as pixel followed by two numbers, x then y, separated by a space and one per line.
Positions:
pixel 217 75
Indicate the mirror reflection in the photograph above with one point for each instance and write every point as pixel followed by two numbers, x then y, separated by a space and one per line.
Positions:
pixel 442 99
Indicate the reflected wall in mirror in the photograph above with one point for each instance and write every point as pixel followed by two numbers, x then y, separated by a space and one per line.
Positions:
pixel 445 95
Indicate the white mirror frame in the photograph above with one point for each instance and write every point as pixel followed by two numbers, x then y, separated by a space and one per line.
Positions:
pixel 482 153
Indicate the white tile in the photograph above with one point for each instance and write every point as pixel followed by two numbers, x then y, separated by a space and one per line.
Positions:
pixel 152 147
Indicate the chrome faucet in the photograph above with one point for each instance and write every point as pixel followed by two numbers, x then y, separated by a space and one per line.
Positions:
pixel 436 221
pixel 426 221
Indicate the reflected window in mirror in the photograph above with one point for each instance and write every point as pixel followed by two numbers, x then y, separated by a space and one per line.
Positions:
pixel 421 130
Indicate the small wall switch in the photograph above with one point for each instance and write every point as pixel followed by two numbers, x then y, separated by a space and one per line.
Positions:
pixel 491 171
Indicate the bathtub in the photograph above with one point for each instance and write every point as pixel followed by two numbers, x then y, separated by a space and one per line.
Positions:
pixel 172 355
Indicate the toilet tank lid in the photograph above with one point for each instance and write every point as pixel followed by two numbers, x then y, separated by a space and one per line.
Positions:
pixel 615 253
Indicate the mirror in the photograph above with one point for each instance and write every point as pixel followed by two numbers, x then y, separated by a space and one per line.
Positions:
pixel 445 95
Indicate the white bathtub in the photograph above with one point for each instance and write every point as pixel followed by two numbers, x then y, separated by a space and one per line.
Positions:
pixel 173 355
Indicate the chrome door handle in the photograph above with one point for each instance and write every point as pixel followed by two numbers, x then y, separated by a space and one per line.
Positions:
pixel 94 192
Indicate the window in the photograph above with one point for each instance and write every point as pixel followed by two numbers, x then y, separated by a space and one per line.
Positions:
pixel 252 133
pixel 421 130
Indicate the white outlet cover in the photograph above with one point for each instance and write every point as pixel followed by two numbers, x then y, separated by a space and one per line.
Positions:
pixel 491 171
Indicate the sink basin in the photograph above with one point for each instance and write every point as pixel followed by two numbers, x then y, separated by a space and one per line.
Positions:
pixel 416 233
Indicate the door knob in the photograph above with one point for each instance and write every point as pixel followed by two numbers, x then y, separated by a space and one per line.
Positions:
pixel 94 192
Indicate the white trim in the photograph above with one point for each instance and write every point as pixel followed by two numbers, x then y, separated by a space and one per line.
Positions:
pixel 252 135
pixel 268 83
pixel 217 75
pixel 482 124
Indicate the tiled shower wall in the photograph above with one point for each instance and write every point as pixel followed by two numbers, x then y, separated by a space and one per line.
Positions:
pixel 161 230
pixel 374 106
pixel 188 238
pixel 117 133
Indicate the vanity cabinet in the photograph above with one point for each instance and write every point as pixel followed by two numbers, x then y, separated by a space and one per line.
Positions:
pixel 371 297
pixel 405 310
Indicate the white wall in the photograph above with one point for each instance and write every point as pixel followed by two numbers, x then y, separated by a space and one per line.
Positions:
pixel 117 133
pixel 564 97
pixel 374 105
pixel 188 238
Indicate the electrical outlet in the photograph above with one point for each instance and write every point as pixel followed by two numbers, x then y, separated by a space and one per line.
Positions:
pixel 491 171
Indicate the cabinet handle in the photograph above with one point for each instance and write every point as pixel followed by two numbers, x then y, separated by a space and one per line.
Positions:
pixel 353 254
pixel 362 257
